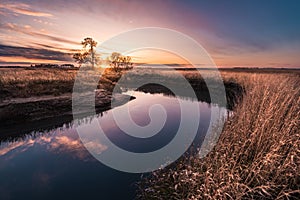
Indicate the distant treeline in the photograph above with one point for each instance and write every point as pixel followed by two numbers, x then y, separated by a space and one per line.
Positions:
pixel 64 66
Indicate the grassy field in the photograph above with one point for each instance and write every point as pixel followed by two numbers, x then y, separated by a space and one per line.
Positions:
pixel 257 155
pixel 35 82
pixel 30 82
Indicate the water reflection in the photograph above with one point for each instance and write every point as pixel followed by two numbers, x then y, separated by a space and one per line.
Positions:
pixel 65 138
pixel 55 164
pixel 58 141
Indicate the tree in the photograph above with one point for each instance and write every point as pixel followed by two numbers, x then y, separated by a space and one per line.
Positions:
pixel 80 58
pixel 86 55
pixel 89 42
pixel 127 62
pixel 117 61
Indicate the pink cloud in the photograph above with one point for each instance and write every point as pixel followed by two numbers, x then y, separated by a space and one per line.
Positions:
pixel 24 9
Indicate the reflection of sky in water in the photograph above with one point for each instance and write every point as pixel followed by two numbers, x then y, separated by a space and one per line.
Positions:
pixel 58 141
pixel 139 112
pixel 56 165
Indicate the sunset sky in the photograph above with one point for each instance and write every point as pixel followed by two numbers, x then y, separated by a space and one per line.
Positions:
pixel 235 33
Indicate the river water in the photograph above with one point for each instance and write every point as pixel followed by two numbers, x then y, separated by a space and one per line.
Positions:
pixel 55 164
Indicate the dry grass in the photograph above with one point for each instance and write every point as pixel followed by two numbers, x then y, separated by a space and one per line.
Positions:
pixel 8 75
pixel 35 82
pixel 257 155
pixel 22 83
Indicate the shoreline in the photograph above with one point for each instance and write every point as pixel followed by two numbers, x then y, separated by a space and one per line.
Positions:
pixel 34 103
pixel 45 113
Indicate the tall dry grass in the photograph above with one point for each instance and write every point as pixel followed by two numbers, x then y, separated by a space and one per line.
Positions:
pixel 35 82
pixel 22 83
pixel 257 155
pixel 14 76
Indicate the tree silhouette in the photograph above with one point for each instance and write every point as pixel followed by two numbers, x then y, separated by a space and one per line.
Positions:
pixel 87 55
pixel 117 61
pixel 89 42
pixel 80 58
pixel 127 62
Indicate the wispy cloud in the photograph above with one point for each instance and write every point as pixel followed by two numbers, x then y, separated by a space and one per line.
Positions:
pixel 33 53
pixel 24 9
pixel 43 22
pixel 53 38
pixel 26 30
pixel 233 33
pixel 55 48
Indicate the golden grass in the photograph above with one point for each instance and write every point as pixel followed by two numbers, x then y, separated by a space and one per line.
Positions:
pixel 35 82
pixel 257 155
pixel 14 76
pixel 22 83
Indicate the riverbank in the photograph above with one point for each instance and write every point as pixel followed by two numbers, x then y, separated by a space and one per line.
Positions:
pixel 257 155
pixel 23 115
pixel 30 94
pixel 41 99
pixel 31 97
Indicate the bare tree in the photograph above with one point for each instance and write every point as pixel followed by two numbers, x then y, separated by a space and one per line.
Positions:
pixel 87 55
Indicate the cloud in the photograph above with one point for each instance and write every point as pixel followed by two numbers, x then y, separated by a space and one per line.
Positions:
pixel 24 9
pixel 28 31
pixel 54 38
pixel 55 48
pixel 43 22
pixel 10 147
pixel 33 53
pixel 57 142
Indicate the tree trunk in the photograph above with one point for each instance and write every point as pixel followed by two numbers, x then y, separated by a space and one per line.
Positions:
pixel 93 57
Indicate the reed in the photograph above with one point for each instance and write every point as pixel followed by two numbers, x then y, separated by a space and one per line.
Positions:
pixel 35 82
pixel 257 155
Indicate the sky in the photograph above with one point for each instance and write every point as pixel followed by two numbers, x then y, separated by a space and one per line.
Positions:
pixel 234 33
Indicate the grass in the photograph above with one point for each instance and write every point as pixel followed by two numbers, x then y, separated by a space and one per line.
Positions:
pixel 35 82
pixel 30 82
pixel 257 155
